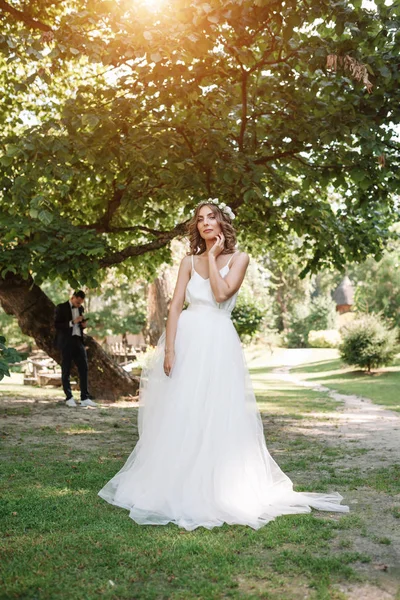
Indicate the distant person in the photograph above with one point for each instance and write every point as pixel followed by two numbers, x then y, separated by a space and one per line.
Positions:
pixel 70 323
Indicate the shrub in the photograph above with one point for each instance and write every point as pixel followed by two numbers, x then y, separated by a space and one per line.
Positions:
pixel 8 356
pixel 368 343
pixel 247 316
pixel 324 338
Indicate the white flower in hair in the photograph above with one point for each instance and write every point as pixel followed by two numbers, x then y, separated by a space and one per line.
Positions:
pixel 224 207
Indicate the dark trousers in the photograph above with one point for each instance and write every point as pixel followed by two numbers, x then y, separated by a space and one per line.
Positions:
pixel 75 351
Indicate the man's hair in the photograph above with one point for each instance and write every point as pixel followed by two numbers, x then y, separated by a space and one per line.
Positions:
pixel 79 294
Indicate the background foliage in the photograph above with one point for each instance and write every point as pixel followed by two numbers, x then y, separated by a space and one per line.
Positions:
pixel 368 342
pixel 8 356
pixel 117 119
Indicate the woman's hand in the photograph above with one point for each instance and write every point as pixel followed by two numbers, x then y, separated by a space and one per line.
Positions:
pixel 169 360
pixel 218 246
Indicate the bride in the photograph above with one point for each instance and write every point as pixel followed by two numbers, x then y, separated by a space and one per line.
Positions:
pixel 201 458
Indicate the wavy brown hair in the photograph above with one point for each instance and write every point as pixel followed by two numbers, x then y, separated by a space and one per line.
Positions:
pixel 197 243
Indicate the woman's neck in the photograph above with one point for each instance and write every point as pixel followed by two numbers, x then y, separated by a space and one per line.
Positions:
pixel 209 245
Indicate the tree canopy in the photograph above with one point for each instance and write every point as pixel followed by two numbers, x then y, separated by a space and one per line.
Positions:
pixel 119 116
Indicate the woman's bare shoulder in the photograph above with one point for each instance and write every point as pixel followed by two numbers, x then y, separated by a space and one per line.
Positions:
pixel 186 262
pixel 242 257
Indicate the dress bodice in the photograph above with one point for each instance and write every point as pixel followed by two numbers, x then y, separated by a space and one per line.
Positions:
pixel 199 291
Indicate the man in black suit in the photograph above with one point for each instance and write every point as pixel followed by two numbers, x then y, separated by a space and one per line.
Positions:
pixel 70 323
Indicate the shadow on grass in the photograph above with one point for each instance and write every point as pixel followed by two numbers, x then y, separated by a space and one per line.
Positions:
pixel 52 517
pixel 258 370
pixel 358 374
pixel 318 366
pixel 297 404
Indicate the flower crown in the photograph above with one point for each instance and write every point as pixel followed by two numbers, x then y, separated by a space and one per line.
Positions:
pixel 222 206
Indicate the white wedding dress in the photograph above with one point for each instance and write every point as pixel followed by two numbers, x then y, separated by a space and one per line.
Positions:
pixel 201 458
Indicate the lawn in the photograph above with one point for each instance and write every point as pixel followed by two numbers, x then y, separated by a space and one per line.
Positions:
pixel 61 541
pixel 382 386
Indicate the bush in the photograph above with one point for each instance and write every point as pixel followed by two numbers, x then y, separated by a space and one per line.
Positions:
pixel 324 338
pixel 247 317
pixel 368 343
pixel 8 356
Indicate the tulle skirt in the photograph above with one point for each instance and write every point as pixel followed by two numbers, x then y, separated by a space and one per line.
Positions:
pixel 201 458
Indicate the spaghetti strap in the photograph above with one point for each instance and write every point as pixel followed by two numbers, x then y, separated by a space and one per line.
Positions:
pixel 231 257
pixel 192 264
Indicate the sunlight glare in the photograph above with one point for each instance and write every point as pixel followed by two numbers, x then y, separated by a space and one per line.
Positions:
pixel 153 5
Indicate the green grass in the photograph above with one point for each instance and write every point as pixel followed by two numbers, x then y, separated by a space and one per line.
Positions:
pixel 13 386
pixel 382 386
pixel 62 541
pixel 59 540
pixel 276 397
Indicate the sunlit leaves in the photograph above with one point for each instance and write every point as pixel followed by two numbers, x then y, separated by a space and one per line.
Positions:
pixel 126 117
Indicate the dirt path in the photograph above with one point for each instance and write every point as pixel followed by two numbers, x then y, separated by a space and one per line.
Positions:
pixel 357 424
pixel 362 424
pixel 374 427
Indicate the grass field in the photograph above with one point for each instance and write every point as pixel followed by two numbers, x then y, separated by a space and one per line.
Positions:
pixel 381 386
pixel 61 541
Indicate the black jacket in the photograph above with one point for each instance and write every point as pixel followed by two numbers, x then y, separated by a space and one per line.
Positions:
pixel 62 318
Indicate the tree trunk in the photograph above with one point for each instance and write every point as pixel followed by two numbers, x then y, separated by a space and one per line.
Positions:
pixel 281 295
pixel 35 314
pixel 157 308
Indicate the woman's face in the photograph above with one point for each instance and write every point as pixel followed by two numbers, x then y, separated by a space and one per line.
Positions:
pixel 207 223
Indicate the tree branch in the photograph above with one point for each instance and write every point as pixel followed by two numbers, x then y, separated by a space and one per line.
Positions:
pixel 265 159
pixel 339 165
pixel 278 60
pixel 187 140
pixel 24 17
pixel 129 229
pixel 112 207
pixel 266 53
pixel 163 239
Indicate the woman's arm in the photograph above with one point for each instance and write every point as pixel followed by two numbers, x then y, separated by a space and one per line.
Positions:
pixel 224 287
pixel 174 311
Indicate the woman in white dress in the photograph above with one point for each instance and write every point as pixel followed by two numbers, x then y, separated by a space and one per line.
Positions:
pixel 201 457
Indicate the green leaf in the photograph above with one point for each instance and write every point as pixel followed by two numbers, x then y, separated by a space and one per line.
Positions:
pixel 248 195
pixel 12 150
pixel 45 217
pixel 90 120
pixel 384 71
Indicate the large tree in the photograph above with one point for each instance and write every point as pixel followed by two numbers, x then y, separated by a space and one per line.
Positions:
pixel 117 118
